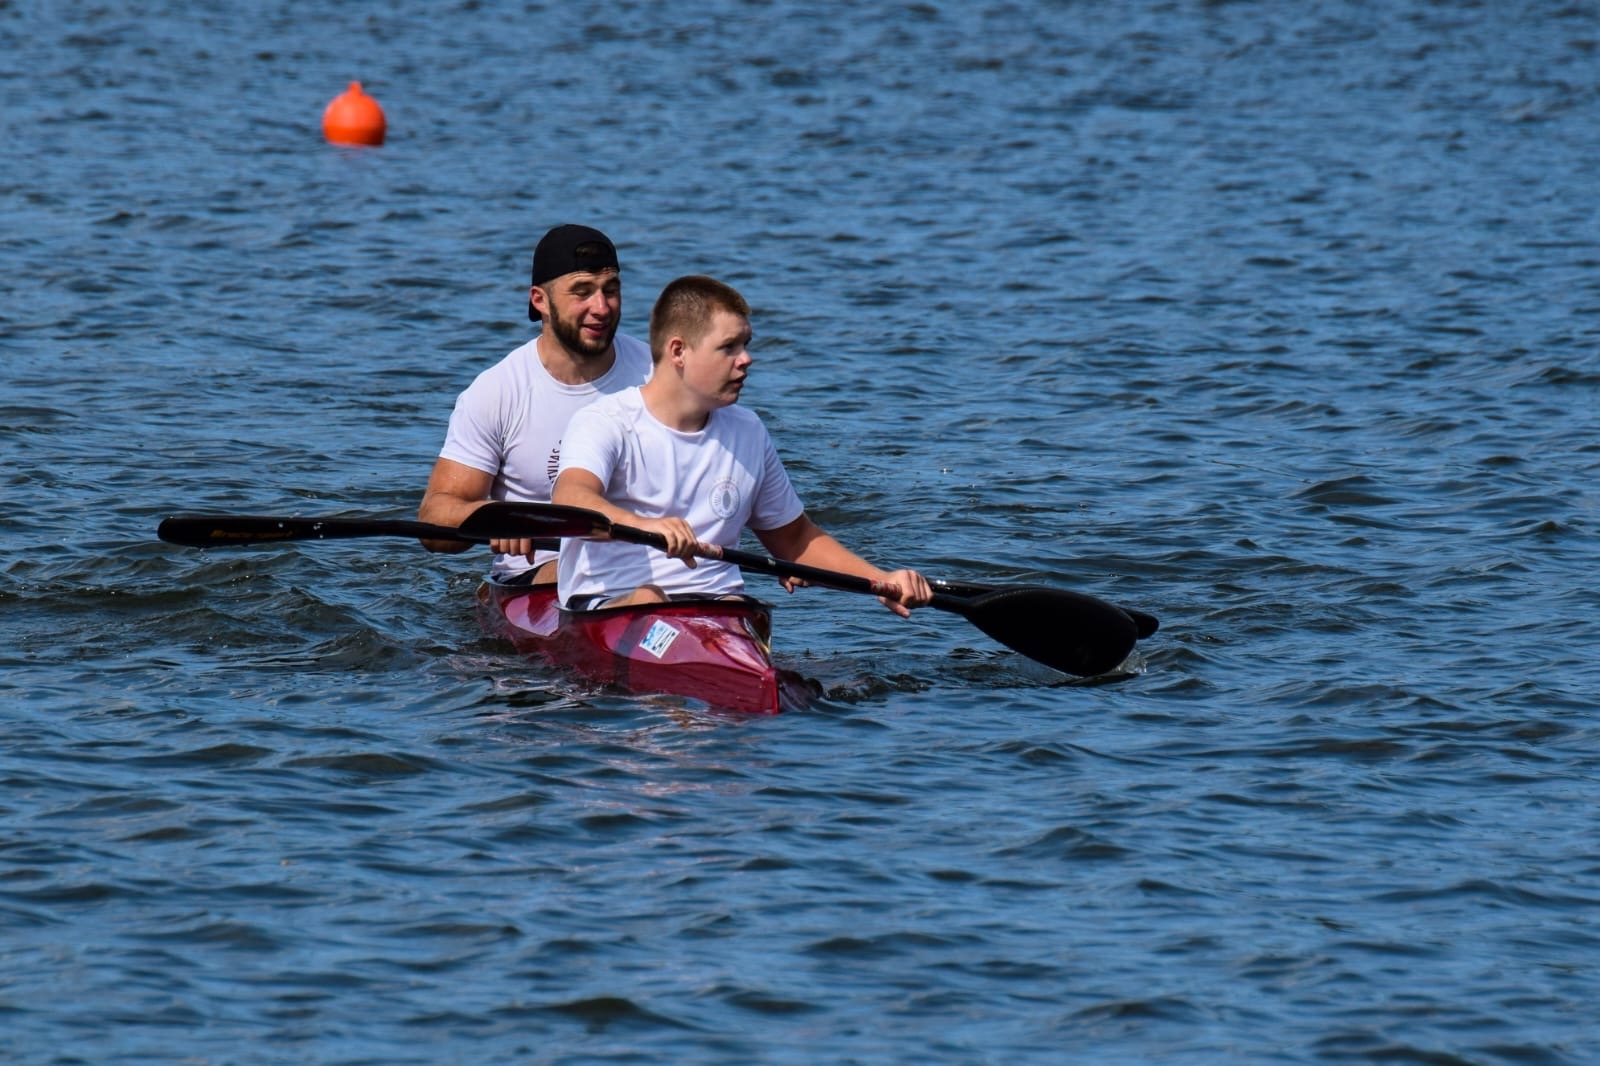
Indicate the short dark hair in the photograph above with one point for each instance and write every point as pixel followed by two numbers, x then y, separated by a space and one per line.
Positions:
pixel 685 308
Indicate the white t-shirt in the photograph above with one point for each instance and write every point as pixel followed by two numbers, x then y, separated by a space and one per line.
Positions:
pixel 509 422
pixel 721 479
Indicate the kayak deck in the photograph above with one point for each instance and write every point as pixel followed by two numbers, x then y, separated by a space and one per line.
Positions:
pixel 709 649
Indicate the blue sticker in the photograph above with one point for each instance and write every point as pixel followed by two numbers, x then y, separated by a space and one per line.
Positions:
pixel 659 639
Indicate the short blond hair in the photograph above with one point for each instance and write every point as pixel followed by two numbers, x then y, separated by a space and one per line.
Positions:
pixel 685 309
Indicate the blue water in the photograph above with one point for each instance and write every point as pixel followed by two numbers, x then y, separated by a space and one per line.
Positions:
pixel 1279 321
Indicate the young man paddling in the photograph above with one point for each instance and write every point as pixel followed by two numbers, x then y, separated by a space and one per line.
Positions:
pixel 505 434
pixel 677 457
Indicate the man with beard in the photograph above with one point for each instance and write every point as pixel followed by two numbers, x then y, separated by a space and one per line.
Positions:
pixel 504 440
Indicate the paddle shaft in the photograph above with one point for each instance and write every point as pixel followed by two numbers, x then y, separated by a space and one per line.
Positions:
pixel 557 520
pixel 766 564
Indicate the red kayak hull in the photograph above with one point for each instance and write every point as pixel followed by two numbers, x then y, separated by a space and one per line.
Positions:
pixel 712 650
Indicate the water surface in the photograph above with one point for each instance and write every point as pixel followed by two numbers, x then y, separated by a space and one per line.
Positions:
pixel 1279 322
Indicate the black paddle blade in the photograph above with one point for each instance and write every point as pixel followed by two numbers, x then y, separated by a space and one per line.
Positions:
pixel 509 520
pixel 1146 624
pixel 1067 631
pixel 216 531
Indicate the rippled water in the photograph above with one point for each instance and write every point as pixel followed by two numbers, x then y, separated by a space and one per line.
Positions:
pixel 1279 321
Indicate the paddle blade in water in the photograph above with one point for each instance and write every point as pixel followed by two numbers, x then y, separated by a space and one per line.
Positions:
pixel 1068 631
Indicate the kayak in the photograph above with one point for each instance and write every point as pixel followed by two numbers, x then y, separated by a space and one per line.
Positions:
pixel 710 649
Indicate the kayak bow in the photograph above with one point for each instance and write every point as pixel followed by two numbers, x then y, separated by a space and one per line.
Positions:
pixel 710 649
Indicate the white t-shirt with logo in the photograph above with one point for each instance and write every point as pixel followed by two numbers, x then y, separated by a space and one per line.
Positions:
pixel 721 479
pixel 510 422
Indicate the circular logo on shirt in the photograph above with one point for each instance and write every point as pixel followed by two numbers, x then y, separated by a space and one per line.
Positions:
pixel 725 498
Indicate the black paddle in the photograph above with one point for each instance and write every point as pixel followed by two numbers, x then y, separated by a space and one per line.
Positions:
pixel 492 521
pixel 1145 623
pixel 1068 631
pixel 217 531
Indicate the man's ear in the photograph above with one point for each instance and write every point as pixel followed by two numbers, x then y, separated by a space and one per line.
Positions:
pixel 536 297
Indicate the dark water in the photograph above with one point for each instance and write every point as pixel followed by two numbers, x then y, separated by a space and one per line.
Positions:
pixel 1280 321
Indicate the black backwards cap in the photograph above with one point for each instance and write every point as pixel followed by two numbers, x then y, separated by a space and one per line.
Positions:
pixel 568 249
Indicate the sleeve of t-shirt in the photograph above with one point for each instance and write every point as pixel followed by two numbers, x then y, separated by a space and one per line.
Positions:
pixel 776 504
pixel 476 436
pixel 592 442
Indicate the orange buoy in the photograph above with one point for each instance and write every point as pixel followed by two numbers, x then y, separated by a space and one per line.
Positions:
pixel 353 117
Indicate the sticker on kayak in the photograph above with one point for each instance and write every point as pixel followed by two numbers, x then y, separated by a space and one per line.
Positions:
pixel 659 639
